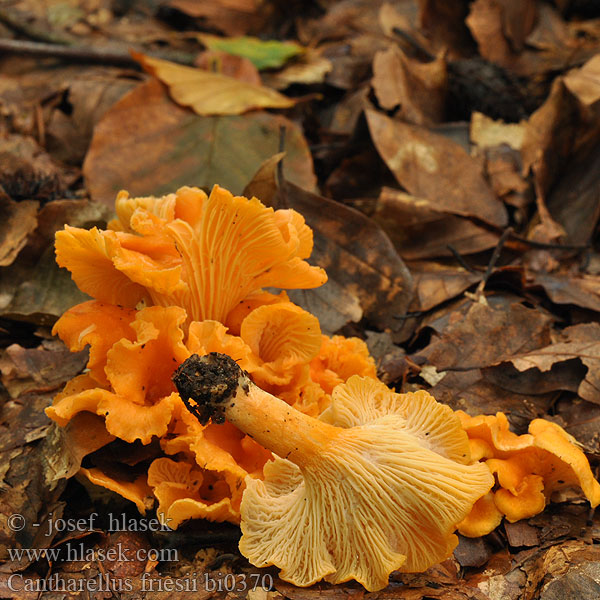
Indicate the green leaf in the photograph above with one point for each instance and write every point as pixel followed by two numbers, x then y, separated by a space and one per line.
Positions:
pixel 269 54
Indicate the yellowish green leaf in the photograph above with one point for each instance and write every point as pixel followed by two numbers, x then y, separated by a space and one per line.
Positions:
pixel 264 54
pixel 211 93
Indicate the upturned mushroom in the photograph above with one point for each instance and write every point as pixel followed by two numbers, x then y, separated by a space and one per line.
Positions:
pixel 378 484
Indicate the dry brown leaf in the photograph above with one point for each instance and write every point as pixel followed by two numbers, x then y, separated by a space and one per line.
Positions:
pixel 433 167
pixel 419 229
pixel 435 283
pixel 472 392
pixel 358 256
pixel 573 201
pixel 232 17
pixel 211 93
pixel 17 221
pixel 419 88
pixel 581 291
pixel 39 369
pixel 486 336
pixel 309 68
pixel 585 82
pixel 167 146
pixel 583 343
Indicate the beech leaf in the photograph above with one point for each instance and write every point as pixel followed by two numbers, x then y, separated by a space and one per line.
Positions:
pixel 211 93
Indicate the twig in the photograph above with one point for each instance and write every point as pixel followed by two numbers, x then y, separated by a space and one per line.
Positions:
pixel 409 315
pixel 495 255
pixel 463 263
pixel 85 54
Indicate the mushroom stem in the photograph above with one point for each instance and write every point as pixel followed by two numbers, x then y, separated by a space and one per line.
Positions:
pixel 214 387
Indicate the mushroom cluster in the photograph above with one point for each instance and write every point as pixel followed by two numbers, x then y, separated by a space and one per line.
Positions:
pixel 528 468
pixel 332 474
pixel 170 277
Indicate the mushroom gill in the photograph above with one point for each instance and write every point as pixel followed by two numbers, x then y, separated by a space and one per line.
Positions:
pixel 378 485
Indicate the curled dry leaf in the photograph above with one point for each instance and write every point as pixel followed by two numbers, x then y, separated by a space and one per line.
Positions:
pixel 17 221
pixel 581 342
pixel 211 93
pixel 431 166
pixel 419 88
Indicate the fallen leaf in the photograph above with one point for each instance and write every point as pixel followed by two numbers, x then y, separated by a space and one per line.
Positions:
pixel 521 534
pixel 472 392
pixel 90 94
pixel 432 167
pixel 420 230
pixel 310 68
pixel 209 93
pixel 418 88
pixel 66 447
pixel 264 54
pixel 582 420
pixel 28 173
pixel 435 283
pixel 581 342
pixel 581 291
pixel 389 357
pixel 17 221
pixel 573 200
pixel 232 17
pixel 549 134
pixel 584 83
pixel 487 133
pixel 34 288
pixel 37 292
pixel 39 369
pixel 486 336
pixel 227 64
pixel 173 147
pixel 357 255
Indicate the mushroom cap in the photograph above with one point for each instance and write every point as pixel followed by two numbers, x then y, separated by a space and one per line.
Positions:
pixel 203 253
pixel 368 503
pixel 339 358
pixel 184 491
pixel 140 398
pixel 100 326
pixel 483 518
pixel 137 491
pixel 528 468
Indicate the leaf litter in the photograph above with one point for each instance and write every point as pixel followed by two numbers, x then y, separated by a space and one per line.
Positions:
pixel 410 135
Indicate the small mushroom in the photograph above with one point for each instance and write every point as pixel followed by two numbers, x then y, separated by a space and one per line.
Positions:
pixel 379 487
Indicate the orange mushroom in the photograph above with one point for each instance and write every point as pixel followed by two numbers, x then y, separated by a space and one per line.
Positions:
pixel 204 254
pixel 379 484
pixel 140 400
pixel 528 468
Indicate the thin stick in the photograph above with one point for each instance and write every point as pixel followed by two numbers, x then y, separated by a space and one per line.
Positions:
pixel 463 263
pixel 85 54
pixel 496 254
